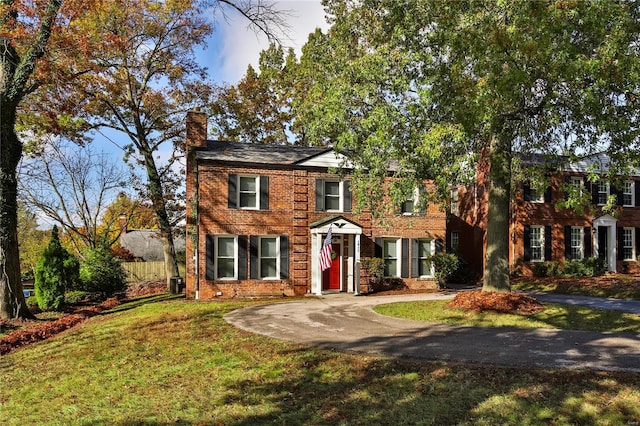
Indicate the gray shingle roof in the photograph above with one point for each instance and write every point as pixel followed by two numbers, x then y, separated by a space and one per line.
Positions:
pixel 146 244
pixel 257 153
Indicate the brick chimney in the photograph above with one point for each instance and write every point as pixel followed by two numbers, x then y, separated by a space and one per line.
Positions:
pixel 196 129
pixel 123 224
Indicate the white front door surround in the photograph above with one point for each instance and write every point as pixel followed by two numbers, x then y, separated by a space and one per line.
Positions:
pixel 605 237
pixel 350 234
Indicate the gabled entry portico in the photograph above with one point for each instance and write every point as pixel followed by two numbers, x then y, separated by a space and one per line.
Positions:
pixel 605 240
pixel 344 274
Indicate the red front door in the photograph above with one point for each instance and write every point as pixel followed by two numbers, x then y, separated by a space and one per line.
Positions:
pixel 331 277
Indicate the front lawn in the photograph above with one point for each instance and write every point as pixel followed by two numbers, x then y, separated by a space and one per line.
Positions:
pixel 179 362
pixel 568 317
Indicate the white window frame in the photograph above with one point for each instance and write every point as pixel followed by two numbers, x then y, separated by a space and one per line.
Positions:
pixel 432 250
pixel 277 257
pixel 397 258
pixel 628 190
pixel 218 257
pixel 577 242
pixel 340 194
pixel 535 196
pixel 257 192
pixel 414 200
pixel 540 230
pixel 603 188
pixel 629 243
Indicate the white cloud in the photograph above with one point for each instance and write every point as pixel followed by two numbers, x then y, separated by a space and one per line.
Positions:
pixel 238 45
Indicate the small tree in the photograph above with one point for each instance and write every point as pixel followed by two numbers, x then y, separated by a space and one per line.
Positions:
pixel 56 272
pixel 102 272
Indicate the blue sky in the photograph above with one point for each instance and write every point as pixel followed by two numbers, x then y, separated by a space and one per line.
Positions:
pixel 234 46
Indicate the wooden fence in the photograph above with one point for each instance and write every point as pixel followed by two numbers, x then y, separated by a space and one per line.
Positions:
pixel 147 271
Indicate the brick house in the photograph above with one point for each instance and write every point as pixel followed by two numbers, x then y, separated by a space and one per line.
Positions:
pixel 541 231
pixel 257 217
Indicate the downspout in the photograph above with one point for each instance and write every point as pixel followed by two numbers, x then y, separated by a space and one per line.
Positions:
pixel 196 251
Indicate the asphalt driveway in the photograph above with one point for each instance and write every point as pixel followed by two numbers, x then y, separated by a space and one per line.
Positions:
pixel 348 323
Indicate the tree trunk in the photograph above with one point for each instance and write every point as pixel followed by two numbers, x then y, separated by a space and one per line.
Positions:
pixel 160 207
pixel 496 273
pixel 12 302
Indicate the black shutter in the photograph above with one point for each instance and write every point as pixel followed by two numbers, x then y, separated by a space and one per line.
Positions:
pixel 210 248
pixel 404 266
pixel 439 246
pixel 618 193
pixel 242 257
pixel 284 257
pixel 588 245
pixel 547 243
pixel 319 195
pixel 347 196
pixel 264 192
pixel 594 193
pixel 378 247
pixel 527 242
pixel 567 185
pixel 547 195
pixel 254 266
pixel 636 190
pixel 567 243
pixel 526 191
pixel 414 258
pixel 233 191
pixel 620 243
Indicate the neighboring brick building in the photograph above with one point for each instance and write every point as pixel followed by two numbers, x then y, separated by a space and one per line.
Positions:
pixel 541 231
pixel 257 216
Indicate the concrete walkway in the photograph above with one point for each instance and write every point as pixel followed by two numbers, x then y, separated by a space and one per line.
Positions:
pixel 348 323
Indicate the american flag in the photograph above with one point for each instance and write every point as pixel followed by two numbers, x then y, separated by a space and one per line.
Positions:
pixel 325 253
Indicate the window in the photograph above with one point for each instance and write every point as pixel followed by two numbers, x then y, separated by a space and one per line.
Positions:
pixel 577 238
pixel 226 254
pixel 536 196
pixel 425 249
pixel 628 243
pixel 248 192
pixel 407 207
pixel 333 196
pixel 628 194
pixel 536 243
pixel 391 256
pixel 268 255
pixel 603 192
pixel 455 240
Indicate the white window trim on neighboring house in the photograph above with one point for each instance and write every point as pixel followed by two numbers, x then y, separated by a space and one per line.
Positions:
pixel 577 242
pixel 261 257
pixel 540 230
pixel 256 179
pixel 629 243
pixel 628 190
pixel 218 257
pixel 603 192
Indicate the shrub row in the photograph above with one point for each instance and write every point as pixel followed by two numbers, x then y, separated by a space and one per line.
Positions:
pixel 589 267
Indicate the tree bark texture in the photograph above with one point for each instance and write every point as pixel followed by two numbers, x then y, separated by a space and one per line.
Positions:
pixel 160 207
pixel 496 273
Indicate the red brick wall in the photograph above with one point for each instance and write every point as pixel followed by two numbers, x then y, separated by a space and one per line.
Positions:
pixel 291 210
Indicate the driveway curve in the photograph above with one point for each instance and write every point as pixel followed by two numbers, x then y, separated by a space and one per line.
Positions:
pixel 348 323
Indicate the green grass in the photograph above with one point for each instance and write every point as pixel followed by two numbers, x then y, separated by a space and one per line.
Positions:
pixel 568 317
pixel 620 286
pixel 179 362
